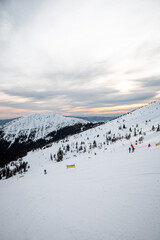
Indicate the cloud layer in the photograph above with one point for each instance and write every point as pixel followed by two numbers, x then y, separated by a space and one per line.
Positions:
pixel 78 57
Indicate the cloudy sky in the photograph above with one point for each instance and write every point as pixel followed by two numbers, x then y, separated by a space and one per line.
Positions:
pixel 78 57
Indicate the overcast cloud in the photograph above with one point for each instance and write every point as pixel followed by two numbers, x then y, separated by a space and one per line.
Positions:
pixel 72 56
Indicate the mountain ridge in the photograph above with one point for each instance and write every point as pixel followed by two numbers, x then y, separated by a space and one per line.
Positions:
pixel 39 132
pixel 34 131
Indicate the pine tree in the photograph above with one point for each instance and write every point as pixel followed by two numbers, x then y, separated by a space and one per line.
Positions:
pixel 4 172
pixel 7 174
pixel 60 155
pixel 128 136
pixel 80 148
pixel 94 144
pixel 68 147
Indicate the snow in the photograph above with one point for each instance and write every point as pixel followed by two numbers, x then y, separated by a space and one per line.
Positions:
pixel 108 196
pixel 39 123
pixel 112 195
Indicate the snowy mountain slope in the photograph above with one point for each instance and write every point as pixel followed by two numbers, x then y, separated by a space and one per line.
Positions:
pixel 4 121
pixel 37 126
pixel 112 195
pixel 135 127
pixel 35 131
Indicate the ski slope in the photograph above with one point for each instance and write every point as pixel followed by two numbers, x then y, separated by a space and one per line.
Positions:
pixel 112 195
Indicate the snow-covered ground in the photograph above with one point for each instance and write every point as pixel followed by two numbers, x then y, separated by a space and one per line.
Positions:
pixel 107 196
pixel 113 195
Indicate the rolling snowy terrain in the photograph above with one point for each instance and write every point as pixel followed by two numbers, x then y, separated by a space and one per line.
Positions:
pixel 110 194
pixel 37 126
pixel 34 131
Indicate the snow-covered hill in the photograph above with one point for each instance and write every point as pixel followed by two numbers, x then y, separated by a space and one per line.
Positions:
pixel 110 194
pixel 135 127
pixel 37 126
pixel 35 131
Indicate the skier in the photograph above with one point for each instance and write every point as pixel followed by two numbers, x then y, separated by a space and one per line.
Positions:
pixel 45 172
pixel 129 149
pixel 132 147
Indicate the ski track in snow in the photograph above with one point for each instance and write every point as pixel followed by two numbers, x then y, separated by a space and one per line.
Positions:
pixel 113 195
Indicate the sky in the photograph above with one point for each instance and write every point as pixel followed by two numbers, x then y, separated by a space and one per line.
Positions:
pixel 78 57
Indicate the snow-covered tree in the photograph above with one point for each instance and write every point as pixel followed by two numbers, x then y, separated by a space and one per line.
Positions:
pixel 60 155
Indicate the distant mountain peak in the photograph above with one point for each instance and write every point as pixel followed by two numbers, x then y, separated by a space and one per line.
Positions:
pixel 41 123
pixel 35 131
